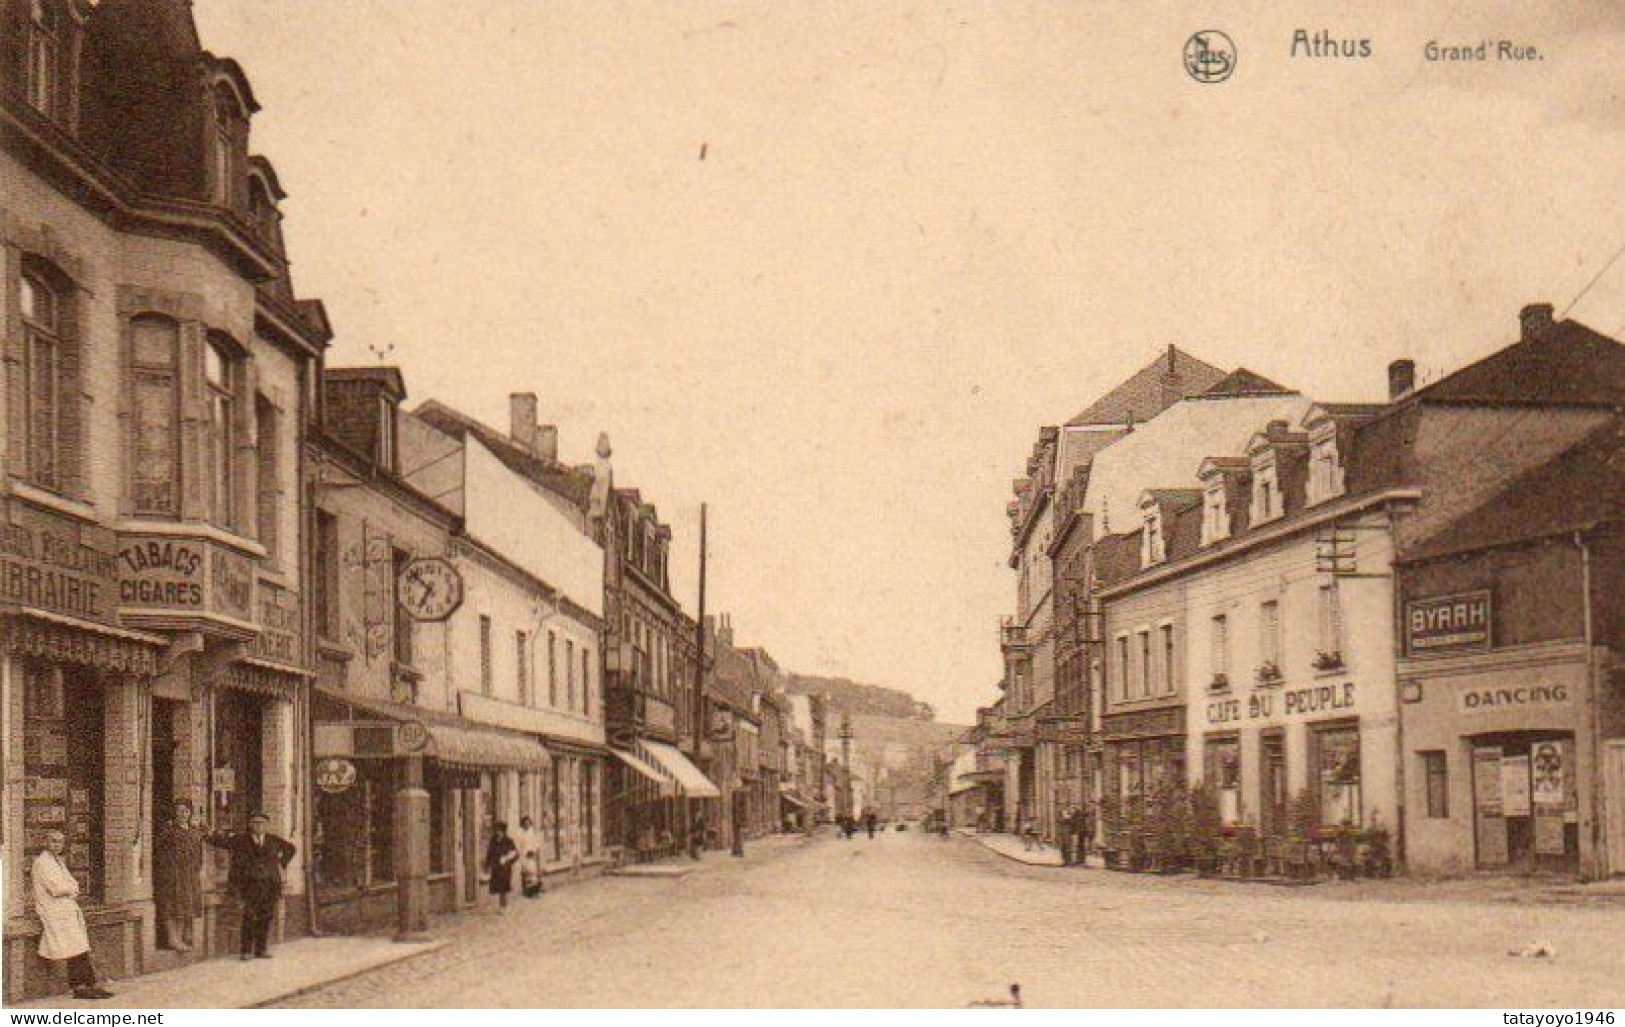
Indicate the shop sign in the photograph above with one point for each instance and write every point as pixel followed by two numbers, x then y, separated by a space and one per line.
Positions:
pixel 1448 624
pixel 57 564
pixel 1294 702
pixel 185 575
pixel 1512 697
pixel 335 776
pixel 280 635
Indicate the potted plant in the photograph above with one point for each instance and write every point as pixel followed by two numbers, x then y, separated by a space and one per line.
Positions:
pixel 1328 660
pixel 1375 857
pixel 1268 672
pixel 1111 832
pixel 1220 683
pixel 1207 827
pixel 1303 828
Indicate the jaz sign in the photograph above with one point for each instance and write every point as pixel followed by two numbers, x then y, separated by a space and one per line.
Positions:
pixel 1448 624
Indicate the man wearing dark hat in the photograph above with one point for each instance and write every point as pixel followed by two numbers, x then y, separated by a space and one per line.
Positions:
pixel 258 859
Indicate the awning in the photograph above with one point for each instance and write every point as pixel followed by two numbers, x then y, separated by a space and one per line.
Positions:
pixel 793 799
pixel 54 636
pixel 633 760
pixel 690 780
pixel 454 741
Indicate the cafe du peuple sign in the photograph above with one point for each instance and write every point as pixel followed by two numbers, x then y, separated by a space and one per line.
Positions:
pixel 1313 700
pixel 1448 624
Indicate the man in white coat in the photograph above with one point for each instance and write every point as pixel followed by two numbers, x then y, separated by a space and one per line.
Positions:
pixel 56 900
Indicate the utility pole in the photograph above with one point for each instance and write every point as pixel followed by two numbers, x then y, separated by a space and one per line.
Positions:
pixel 702 729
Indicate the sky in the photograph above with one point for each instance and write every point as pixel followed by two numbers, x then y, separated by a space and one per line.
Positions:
pixel 828 267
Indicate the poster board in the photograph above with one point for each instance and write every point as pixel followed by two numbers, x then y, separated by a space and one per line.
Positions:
pixel 1515 786
pixel 1489 822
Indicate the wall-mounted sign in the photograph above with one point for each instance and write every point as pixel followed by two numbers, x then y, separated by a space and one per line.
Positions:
pixel 281 631
pixel 1448 624
pixel 1314 700
pixel 334 775
pixel 430 589
pixel 1497 699
pixel 412 736
pixel 53 563
pixel 185 575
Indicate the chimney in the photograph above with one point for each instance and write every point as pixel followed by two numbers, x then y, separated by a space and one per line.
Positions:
pixel 725 633
pixel 547 442
pixel 1534 319
pixel 522 420
pixel 1172 382
pixel 1401 379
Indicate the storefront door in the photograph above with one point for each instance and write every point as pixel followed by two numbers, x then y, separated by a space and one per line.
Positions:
pixel 238 758
pixel 1272 782
pixel 1525 802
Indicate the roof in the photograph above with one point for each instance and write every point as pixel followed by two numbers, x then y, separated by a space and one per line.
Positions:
pixel 1582 487
pixel 573 485
pixel 1563 363
pixel 1242 382
pixel 1174 500
pixel 1144 396
pixel 389 377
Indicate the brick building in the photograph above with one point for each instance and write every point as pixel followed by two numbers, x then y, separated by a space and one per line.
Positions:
pixel 158 368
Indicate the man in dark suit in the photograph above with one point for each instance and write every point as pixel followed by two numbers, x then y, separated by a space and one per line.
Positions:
pixel 258 859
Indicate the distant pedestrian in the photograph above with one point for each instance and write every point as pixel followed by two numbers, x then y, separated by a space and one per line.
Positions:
pixel 500 856
pixel 696 836
pixel 869 821
pixel 1029 833
pixel 1068 832
pixel 258 861
pixel 1086 832
pixel 63 938
pixel 177 863
pixel 530 859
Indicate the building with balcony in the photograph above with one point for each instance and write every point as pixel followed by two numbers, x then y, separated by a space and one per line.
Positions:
pixel 158 367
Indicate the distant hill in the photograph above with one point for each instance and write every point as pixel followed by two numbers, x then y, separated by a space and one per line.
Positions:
pixel 847 696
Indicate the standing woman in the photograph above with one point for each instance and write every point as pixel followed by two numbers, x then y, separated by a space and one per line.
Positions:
pixel 500 856
pixel 177 864
pixel 56 900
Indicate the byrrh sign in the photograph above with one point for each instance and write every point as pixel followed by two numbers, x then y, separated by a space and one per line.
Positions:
pixel 1448 624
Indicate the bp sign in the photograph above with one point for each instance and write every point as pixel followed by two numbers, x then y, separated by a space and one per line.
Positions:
pixel 335 775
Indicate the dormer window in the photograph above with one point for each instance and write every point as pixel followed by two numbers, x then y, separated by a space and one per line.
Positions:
pixel 1215 514
pixel 1153 543
pixel 230 142
pixel 1325 469
pixel 387 447
pixel 1267 502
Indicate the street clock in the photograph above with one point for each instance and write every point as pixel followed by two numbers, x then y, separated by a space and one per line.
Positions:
pixel 429 589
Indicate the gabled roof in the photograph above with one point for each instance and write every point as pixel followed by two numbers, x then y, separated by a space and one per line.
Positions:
pixel 1223 465
pixel 575 486
pixel 1563 363
pixel 1242 382
pixel 1579 489
pixel 1172 501
pixel 1143 396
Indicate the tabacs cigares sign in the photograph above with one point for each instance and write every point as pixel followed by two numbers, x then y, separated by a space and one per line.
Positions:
pixel 1448 624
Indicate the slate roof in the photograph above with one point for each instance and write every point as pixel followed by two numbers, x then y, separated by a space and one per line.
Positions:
pixel 1141 398
pixel 1565 363
pixel 1579 489
pixel 1242 382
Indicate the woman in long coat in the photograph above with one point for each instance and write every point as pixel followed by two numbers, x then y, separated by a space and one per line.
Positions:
pixel 176 867
pixel 56 901
pixel 500 856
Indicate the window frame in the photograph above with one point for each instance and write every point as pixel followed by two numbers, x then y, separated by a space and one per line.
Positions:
pixel 44 337
pixel 221 397
pixel 1435 784
pixel 142 371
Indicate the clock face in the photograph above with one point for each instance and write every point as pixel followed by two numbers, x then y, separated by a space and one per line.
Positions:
pixel 429 589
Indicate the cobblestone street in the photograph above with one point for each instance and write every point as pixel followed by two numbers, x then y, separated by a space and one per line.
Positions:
pixel 913 921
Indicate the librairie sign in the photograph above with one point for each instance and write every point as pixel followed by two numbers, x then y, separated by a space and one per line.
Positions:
pixel 1448 624
pixel 53 563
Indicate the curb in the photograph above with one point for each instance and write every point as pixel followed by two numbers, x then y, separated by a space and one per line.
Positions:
pixel 423 950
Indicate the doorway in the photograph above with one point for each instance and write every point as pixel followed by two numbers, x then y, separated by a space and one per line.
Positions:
pixel 1272 782
pixel 166 715
pixel 1526 802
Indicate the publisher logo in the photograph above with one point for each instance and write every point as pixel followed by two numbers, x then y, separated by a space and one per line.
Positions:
pixel 1210 56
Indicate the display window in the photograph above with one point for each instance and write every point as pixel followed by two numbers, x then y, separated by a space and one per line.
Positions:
pixel 64 761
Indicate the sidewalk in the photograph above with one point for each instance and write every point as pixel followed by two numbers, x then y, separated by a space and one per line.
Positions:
pixel 1010 847
pixel 230 983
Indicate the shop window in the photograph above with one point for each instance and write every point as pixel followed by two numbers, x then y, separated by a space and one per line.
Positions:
pixel 1436 776
pixel 155 413
pixel 354 846
pixel 326 586
pixel 589 841
pixel 440 816
pixel 220 396
pixel 1337 768
pixel 64 759
pixel 267 477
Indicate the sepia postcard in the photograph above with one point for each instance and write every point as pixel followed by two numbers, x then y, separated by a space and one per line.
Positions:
pixel 815 504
